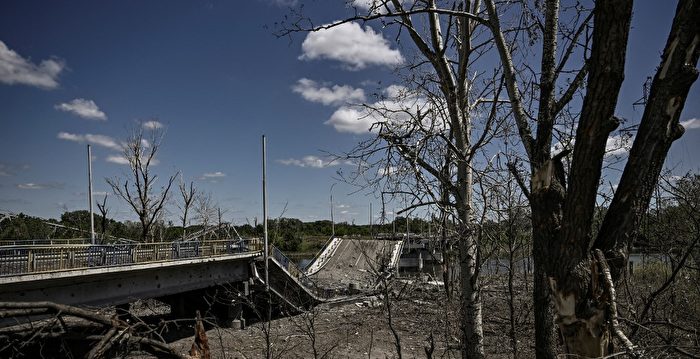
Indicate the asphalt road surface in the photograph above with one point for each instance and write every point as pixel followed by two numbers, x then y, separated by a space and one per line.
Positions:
pixel 355 262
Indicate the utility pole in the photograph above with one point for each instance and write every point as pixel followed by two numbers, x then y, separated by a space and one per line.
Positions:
pixel 264 176
pixel 332 220
pixel 431 220
pixel 370 219
pixel 92 218
pixel 408 233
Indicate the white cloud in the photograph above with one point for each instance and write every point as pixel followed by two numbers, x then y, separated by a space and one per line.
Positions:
pixel 14 69
pixel 30 186
pixel 396 92
pixel 121 160
pixel 675 178
pixel 152 125
pixel 284 3
pixel 691 124
pixel 351 120
pixel 618 145
pixel 558 146
pixel 615 146
pixel 350 44
pixel 212 177
pixel 9 170
pixel 366 4
pixel 100 140
pixel 376 6
pixel 385 171
pixel 396 108
pixel 83 108
pixel 363 4
pixel 309 161
pixel 118 159
pixel 336 95
pixel 216 174
pixel 33 186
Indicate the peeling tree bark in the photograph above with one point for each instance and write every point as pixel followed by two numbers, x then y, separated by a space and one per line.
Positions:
pixel 562 212
pixel 582 321
pixel 657 131
pixel 583 312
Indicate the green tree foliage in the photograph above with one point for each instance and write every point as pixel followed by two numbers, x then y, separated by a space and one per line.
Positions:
pixel 23 226
pixel 672 224
pixel 286 233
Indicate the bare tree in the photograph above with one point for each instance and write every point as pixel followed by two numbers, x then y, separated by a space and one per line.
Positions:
pixel 220 224
pixel 425 131
pixel 102 207
pixel 138 189
pixel 659 294
pixel 188 195
pixel 508 233
pixel 591 63
pixel 565 248
pixel 205 209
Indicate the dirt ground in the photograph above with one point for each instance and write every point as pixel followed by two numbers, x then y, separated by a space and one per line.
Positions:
pixel 360 329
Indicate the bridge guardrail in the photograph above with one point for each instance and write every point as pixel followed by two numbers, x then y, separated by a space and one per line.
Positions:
pixel 291 267
pixel 44 242
pixel 24 259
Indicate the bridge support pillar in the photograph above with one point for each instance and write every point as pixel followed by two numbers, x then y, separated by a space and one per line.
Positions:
pixel 226 303
pixel 232 316
pixel 181 305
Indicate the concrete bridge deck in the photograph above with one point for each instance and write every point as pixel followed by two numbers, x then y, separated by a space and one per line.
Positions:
pixel 101 275
pixel 327 280
pixel 356 262
pixel 111 285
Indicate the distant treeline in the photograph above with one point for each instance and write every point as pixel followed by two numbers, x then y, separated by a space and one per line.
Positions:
pixel 287 233
pixel 511 233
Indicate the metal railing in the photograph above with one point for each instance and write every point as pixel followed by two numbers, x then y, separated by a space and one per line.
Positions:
pixel 297 273
pixel 45 242
pixel 322 256
pixel 25 259
pixel 51 242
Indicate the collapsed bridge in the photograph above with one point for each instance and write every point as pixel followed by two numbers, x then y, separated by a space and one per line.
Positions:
pixel 181 273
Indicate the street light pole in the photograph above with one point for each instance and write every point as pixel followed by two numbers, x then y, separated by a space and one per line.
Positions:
pixel 264 175
pixel 332 219
pixel 370 220
pixel 92 218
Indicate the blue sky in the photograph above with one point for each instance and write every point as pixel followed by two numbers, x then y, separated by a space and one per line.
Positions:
pixel 213 74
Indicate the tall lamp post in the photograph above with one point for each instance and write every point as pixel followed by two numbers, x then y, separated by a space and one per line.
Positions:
pixel 332 219
pixel 264 175
pixel 92 217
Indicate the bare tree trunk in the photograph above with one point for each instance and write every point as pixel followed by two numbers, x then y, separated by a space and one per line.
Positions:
pixel 138 189
pixel 584 314
pixel 472 321
pixel 657 131
pixel 102 207
pixel 511 284
pixel 446 279
pixel 546 205
pixel 545 344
